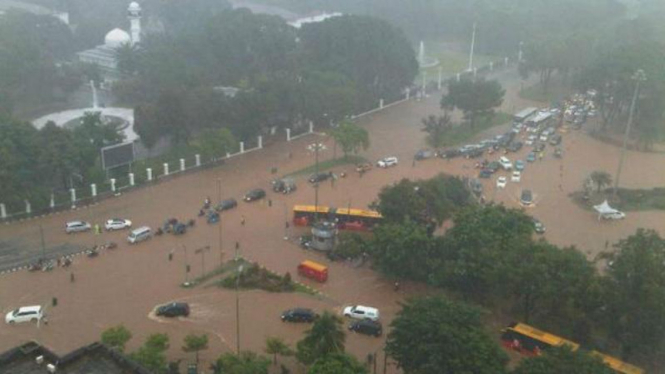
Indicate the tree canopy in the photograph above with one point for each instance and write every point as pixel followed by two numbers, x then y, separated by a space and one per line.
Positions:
pixel 337 363
pixel 439 336
pixel 475 98
pixel 324 338
pixel 558 360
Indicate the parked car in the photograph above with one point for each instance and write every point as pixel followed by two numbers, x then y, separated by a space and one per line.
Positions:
pixel 24 314
pixel 516 176
pixel 387 162
pixel 538 226
pixel 450 153
pixel 485 173
pixel 615 215
pixel 367 327
pixel 255 194
pixel 284 185
pixel 226 205
pixel 77 226
pixel 539 147
pixel 531 139
pixel 494 166
pixel 519 165
pixel 501 182
pixel 298 315
pixel 555 140
pixel 361 312
pixel 526 198
pixel 364 167
pixel 475 153
pixel 173 310
pixel 531 157
pixel 505 163
pixel 423 154
pixel 117 224
pixel 514 147
pixel 319 177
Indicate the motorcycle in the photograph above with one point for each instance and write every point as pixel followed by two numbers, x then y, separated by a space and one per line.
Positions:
pixel 35 267
pixel 66 263
pixel 159 232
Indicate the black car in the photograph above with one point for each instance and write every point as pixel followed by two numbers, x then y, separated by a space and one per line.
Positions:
pixel 526 198
pixel 539 147
pixel 173 310
pixel 475 153
pixel 226 205
pixel 367 327
pixel 298 315
pixel 320 177
pixel 284 185
pixel 514 147
pixel 485 173
pixel 538 227
pixel 450 153
pixel 494 166
pixel 423 154
pixel 255 194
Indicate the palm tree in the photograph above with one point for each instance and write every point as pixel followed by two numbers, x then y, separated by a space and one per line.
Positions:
pixel 351 137
pixel 601 179
pixel 276 346
pixel 325 337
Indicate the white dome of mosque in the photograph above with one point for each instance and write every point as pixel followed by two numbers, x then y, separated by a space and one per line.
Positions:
pixel 134 7
pixel 117 37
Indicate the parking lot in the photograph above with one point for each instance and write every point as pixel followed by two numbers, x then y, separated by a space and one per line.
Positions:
pixel 123 285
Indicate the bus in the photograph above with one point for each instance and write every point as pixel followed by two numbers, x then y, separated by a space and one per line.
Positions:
pixel 530 341
pixel 345 218
pixel 540 120
pixel 618 365
pixel 524 114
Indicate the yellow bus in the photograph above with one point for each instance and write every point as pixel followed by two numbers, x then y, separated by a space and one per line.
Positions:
pixel 530 341
pixel 618 365
pixel 345 218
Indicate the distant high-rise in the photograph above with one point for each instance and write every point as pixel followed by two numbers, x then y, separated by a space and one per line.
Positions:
pixel 134 15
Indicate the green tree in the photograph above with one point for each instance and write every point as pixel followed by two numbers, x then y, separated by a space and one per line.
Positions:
pixel 195 343
pixel 127 58
pixel 351 245
pixel 558 360
pixel 438 336
pixel 436 128
pixel 276 346
pixel 635 293
pixel 351 137
pixel 152 354
pixel 216 143
pixel 337 363
pixel 475 98
pixel 601 179
pixel 245 363
pixel 116 337
pixel 324 338
pixel 403 251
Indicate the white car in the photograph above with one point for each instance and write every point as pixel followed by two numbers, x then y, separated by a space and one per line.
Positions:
pixel 77 226
pixel 615 215
pixel 117 224
pixel 387 162
pixel 516 177
pixel 24 314
pixel 530 140
pixel 505 163
pixel 501 182
pixel 361 312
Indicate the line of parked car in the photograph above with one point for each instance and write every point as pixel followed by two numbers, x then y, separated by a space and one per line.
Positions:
pixel 367 318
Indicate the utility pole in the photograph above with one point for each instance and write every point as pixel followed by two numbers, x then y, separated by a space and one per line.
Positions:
pixel 473 44
pixel 219 200
pixel 238 312
pixel 316 185
pixel 41 235
pixel 638 77
pixel 520 53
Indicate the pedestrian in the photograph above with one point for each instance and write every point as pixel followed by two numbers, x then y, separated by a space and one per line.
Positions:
pixel 286 224
pixel 396 286
pixel 237 245
pixel 269 202
pixel 607 242
pixel 413 163
pixel 242 221
pixel 71 277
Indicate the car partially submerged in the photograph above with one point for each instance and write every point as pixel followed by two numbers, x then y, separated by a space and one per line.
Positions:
pixel 173 310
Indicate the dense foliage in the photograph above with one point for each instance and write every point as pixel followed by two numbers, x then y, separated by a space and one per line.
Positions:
pixel 563 360
pixel 325 338
pixel 435 335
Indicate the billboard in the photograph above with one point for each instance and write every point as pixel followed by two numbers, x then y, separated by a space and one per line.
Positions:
pixel 117 155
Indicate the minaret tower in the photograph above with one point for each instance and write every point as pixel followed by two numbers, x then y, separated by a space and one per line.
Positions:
pixel 134 15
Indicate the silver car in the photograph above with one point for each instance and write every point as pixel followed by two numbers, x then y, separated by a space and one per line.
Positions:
pixel 77 226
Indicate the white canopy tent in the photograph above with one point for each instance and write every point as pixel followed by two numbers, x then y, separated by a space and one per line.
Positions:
pixel 605 210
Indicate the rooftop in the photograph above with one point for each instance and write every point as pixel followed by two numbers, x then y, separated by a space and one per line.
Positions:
pixel 94 358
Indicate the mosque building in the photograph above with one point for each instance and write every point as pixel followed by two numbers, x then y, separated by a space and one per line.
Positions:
pixel 104 56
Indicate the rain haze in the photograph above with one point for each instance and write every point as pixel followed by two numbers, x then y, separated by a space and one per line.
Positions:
pixel 338 186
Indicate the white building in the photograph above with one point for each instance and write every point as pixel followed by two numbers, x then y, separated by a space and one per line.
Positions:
pixel 104 56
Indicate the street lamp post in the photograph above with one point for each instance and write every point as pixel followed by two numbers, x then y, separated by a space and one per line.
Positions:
pixel 238 311
pixel 219 200
pixel 184 247
pixel 519 53
pixel 473 44
pixel 638 77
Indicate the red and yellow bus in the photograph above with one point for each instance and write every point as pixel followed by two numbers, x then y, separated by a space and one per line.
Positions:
pixel 618 365
pixel 345 218
pixel 531 341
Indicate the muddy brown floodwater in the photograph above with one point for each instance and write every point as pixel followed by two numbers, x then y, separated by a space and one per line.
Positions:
pixel 122 286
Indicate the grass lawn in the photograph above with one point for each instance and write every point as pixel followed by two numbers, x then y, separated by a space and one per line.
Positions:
pixel 556 92
pixel 451 62
pixel 628 199
pixel 463 132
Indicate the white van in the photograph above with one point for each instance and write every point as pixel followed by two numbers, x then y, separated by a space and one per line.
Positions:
pixel 361 312
pixel 505 163
pixel 139 235
pixel 24 314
